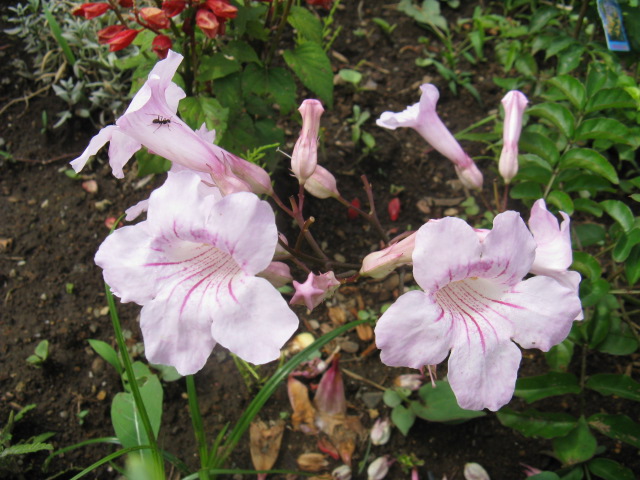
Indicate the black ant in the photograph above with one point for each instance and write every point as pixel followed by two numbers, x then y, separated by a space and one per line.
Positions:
pixel 160 121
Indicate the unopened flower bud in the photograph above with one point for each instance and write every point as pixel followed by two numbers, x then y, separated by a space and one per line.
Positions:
pixel 470 176
pixel 322 184
pixel 91 10
pixel 155 17
pixel 382 263
pixel 514 103
pixel 381 431
pixel 341 473
pixel 277 273
pixel 474 471
pixel 379 468
pixel 410 381
pixel 304 158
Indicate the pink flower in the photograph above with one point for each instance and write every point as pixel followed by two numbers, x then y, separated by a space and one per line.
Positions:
pixel 151 121
pixel 192 266
pixel 514 103
pixel 475 304
pixel 314 290
pixel 422 117
pixel 305 153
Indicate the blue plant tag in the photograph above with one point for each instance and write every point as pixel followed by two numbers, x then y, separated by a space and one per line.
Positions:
pixel 611 17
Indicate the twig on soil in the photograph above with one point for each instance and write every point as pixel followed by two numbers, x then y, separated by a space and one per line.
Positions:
pixel 26 99
pixel 49 160
pixel 362 379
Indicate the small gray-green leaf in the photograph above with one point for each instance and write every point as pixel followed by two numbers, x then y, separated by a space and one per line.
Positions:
pixel 589 160
pixel 391 398
pixel 403 418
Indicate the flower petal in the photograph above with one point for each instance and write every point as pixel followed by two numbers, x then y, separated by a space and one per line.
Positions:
pixel 413 332
pixel 96 143
pixel 553 241
pixel 544 312
pixel 253 320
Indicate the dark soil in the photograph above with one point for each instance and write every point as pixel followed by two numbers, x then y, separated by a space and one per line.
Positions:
pixel 50 229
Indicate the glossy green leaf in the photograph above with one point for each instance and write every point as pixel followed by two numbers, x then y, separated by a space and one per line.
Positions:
pixel 526 190
pixel 557 114
pixel 544 476
pixel 615 384
pixel 561 200
pixel 587 205
pixel 540 145
pixel 609 98
pixel 572 89
pixel 541 18
pixel 533 423
pixel 570 58
pixel 609 469
pixel 632 266
pixel 558 45
pixel 548 385
pixel 635 196
pixel 588 234
pixel 403 418
pixel 625 243
pixel 587 265
pixel 591 292
pixel 576 447
pixel 559 356
pixel 306 23
pixel 440 405
pixel 619 427
pixel 620 212
pixel 312 66
pixel 217 66
pixel 602 128
pixel 107 353
pixel 198 110
pixel 589 160
pixel 620 340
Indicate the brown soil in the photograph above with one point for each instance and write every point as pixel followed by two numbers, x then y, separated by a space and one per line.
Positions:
pixel 53 228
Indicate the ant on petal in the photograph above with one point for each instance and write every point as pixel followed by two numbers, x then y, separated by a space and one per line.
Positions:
pixel 160 121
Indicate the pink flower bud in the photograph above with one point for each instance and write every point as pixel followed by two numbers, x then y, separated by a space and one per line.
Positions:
pixel 314 290
pixel 381 431
pixel 474 471
pixel 410 381
pixel 382 263
pixel 330 398
pixel 379 468
pixel 305 153
pixel 322 184
pixel 343 472
pixel 277 273
pixel 514 103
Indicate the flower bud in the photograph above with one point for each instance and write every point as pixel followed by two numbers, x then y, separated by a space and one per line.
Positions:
pixel 91 10
pixel 222 8
pixel 304 158
pixel 161 45
pixel 382 263
pixel 122 40
pixel 474 471
pixel 155 17
pixel 341 473
pixel 514 103
pixel 410 381
pixel 381 431
pixel 171 8
pixel 379 468
pixel 277 273
pixel 322 184
pixel 470 176
pixel 314 290
pixel 107 33
pixel 207 22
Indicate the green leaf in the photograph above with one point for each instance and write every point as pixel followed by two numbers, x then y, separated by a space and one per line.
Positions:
pixel 241 52
pixel 533 423
pixel 217 66
pixel 544 476
pixel 440 405
pixel 548 385
pixel 107 353
pixel 557 114
pixel 526 64
pixel 559 356
pixel 561 200
pixel 312 66
pixel 609 98
pixel 609 469
pixel 558 45
pixel 620 212
pixel 403 418
pixel 572 89
pixel 625 243
pixel 619 340
pixel 391 398
pixel 591 292
pixel 198 110
pixel 586 264
pixel 589 160
pixel 275 83
pixel 589 234
pixel 42 349
pixel 602 128
pixel 632 266
pixel 150 164
pixel 619 427
pixel 576 447
pixel 539 145
pixel 570 58
pixel 306 23
pixel 24 448
pixel 587 205
pixel 526 190
pixel 541 17
pixel 614 384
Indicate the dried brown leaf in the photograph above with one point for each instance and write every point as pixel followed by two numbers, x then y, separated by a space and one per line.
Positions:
pixel 312 462
pixel 264 443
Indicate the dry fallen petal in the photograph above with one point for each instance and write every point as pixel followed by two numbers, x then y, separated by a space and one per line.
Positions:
pixel 337 315
pixel 303 411
pixel 312 462
pixel 365 332
pixel 264 443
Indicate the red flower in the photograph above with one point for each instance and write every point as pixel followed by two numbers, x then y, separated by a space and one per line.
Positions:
pixel 90 10
pixel 207 22
pixel 155 17
pixel 352 213
pixel 161 45
pixel 122 40
pixel 171 8
pixel 106 34
pixel 394 209
pixel 222 9
pixel 126 3
pixel 321 3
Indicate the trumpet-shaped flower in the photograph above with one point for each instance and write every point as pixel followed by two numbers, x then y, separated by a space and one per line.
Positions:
pixel 514 103
pixel 475 304
pixel 151 121
pixel 192 266
pixel 423 118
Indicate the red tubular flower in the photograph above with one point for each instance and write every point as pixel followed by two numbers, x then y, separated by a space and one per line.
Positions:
pixel 91 10
pixel 106 34
pixel 161 45
pixel 122 40
pixel 352 213
pixel 394 209
pixel 207 22
pixel 171 8
pixel 155 17
pixel 222 8
pixel 321 3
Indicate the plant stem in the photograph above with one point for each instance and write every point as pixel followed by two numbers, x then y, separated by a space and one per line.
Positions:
pixel 198 429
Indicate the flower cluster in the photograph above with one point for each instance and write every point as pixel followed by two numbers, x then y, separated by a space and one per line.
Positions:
pixel 206 262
